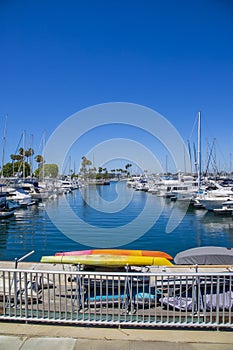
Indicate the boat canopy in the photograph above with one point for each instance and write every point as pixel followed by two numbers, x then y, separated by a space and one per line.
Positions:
pixel 205 256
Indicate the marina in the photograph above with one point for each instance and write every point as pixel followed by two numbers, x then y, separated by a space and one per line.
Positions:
pixel 30 228
pixel 116 175
pixel 138 284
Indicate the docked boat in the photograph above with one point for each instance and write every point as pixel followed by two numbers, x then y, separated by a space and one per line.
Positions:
pixel 142 185
pixel 214 198
pixel 11 204
pixel 211 203
pixel 182 188
pixel 20 197
pixel 66 186
pixel 132 181
pixel 36 192
pixel 227 209
pixel 6 213
pixel 2 194
pixel 210 255
pixel 186 189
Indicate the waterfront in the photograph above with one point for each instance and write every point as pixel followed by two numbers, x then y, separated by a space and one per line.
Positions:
pixel 32 229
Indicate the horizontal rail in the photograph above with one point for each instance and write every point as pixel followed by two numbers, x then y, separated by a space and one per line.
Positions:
pixel 121 273
pixel 173 299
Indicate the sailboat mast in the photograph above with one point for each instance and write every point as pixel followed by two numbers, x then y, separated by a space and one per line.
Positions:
pixel 4 145
pixel 24 143
pixel 43 150
pixel 199 150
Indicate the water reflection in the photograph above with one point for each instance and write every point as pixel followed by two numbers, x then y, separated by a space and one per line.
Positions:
pixel 32 228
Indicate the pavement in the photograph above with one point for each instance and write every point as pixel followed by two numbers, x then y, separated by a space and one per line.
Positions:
pixel 21 336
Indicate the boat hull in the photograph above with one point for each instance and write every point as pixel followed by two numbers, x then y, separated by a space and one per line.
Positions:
pixel 211 204
pixel 6 213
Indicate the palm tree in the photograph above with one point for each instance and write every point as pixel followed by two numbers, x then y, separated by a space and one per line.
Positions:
pixel 13 157
pixel 29 153
pixel 22 152
pixel 128 165
pixel 85 162
pixel 39 159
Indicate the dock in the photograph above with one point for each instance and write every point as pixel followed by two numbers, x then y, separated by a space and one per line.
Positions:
pixel 55 306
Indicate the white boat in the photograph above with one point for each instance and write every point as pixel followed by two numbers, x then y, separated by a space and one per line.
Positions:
pixel 131 182
pixel 214 199
pixel 2 194
pixel 226 209
pixel 35 192
pixel 153 188
pixel 165 188
pixel 20 196
pixel 182 188
pixel 66 186
pixel 141 185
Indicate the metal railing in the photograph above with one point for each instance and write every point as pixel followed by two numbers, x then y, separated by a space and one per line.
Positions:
pixel 112 298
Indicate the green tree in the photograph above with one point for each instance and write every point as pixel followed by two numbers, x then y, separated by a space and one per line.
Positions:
pixel 39 172
pixel 10 170
pixel 51 170
pixel 29 153
pixel 128 165
pixel 39 159
pixel 15 157
pixel 7 170
pixel 22 151
pixel 84 166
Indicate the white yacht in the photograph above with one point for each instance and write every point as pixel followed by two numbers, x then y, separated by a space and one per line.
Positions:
pixel 227 208
pixel 132 181
pixel 214 199
pixel 35 192
pixel 20 197
pixel 182 188
pixel 141 185
pixel 66 186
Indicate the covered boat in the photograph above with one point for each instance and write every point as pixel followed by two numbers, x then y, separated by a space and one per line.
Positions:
pixel 205 256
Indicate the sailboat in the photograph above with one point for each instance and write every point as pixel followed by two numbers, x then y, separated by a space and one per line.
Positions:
pixel 188 186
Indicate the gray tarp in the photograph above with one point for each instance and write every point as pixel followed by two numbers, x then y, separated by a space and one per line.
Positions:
pixel 205 256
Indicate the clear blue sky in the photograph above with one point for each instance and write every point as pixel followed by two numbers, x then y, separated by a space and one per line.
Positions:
pixel 174 56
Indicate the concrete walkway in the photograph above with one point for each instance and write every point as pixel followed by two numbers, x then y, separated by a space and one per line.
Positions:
pixel 15 336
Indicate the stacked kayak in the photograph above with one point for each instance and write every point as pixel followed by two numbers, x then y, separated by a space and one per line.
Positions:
pixel 110 258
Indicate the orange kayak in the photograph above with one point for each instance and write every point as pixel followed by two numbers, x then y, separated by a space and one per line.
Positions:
pixel 119 252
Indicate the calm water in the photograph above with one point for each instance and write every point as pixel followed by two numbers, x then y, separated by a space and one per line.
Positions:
pixel 109 216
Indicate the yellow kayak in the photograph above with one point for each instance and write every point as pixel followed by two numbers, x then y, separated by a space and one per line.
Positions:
pixel 107 260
